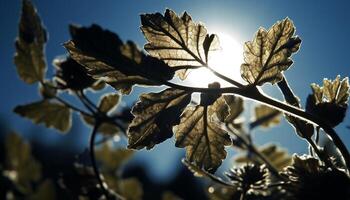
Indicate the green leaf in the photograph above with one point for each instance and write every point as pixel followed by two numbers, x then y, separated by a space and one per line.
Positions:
pixel 108 102
pixel 29 57
pixel 265 116
pixel 121 65
pixel 268 55
pixel 202 136
pixel 177 40
pixel 155 115
pixel 330 101
pixel 105 128
pixel 277 156
pixel 112 158
pixel 20 166
pixel 51 114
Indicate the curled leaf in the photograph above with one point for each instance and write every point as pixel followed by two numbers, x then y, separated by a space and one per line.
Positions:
pixel 155 115
pixel 268 54
pixel 49 113
pixel 202 136
pixel 29 58
pixel 329 101
pixel 121 65
pixel 177 40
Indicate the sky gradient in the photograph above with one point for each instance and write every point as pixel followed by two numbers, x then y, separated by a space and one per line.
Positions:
pixel 324 27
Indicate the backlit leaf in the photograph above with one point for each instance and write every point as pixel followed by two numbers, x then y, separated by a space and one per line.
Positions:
pixel 51 114
pixel 330 101
pixel 202 136
pixel 278 157
pixel 177 40
pixel 265 116
pixel 268 54
pixel 130 188
pixel 121 65
pixel 155 115
pixel 104 128
pixel 111 158
pixel 168 195
pixel 29 58
pixel 20 166
pixel 108 102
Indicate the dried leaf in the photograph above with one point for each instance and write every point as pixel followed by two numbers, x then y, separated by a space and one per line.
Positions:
pixel 29 58
pixel 267 56
pixel 105 128
pixel 202 136
pixel 49 113
pixel 177 40
pixel 20 166
pixel 155 115
pixel 278 157
pixel 121 65
pixel 108 102
pixel 329 101
pixel 265 116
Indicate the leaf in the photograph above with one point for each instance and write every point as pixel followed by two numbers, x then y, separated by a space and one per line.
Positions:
pixel 130 188
pixel 20 166
pixel 105 128
pixel 29 57
pixel 177 40
pixel 112 158
pixel 268 55
pixel 278 157
pixel 329 101
pixel 49 113
pixel 71 75
pixel 169 195
pixel 155 115
pixel 121 65
pixel 265 116
pixel 46 190
pixel 48 90
pixel 236 108
pixel 202 136
pixel 108 102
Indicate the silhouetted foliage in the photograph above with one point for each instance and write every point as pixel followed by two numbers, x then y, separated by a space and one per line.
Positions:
pixel 176 45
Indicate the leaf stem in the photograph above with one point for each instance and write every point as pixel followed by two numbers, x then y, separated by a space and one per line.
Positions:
pixel 70 105
pixel 254 94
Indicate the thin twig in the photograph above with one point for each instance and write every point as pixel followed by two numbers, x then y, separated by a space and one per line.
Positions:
pixel 71 106
pixel 94 164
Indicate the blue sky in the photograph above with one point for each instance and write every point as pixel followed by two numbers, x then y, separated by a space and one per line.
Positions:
pixel 322 25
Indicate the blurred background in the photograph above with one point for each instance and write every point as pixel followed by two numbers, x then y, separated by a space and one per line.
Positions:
pixel 322 25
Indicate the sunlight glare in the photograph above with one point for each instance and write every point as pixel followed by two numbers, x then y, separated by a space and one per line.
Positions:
pixel 226 61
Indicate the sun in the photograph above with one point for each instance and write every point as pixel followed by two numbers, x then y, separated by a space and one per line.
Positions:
pixel 226 61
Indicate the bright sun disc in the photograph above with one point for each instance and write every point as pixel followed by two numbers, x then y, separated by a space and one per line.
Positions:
pixel 226 61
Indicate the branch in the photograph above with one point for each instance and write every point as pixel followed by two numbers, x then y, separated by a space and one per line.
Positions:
pixel 94 164
pixel 252 92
